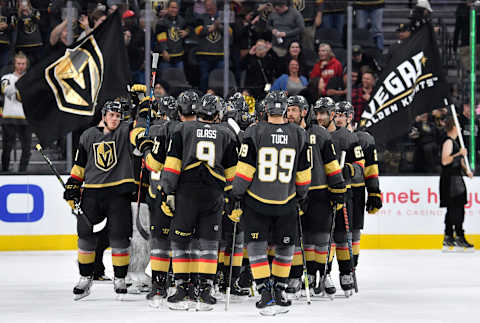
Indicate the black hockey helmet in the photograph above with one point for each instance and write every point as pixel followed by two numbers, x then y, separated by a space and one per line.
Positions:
pixel 344 107
pixel 298 101
pixel 187 102
pixel 113 106
pixel 276 103
pixel 208 107
pixel 168 106
pixel 238 102
pixel 325 104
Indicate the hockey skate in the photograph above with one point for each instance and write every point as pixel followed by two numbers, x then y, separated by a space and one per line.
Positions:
pixel 205 299
pixel 449 244
pixel 346 282
pixel 102 279
pixel 294 288
pixel 82 289
pixel 137 283
pixel 463 245
pixel 266 304
pixel 120 288
pixel 326 287
pixel 180 300
pixel 158 292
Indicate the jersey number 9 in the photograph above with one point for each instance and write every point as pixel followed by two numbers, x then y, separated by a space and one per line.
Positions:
pixel 206 152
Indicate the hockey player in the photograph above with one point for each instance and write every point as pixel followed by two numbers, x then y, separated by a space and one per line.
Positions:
pixel 200 162
pixel 273 173
pixel 326 191
pixel 102 164
pixel 346 143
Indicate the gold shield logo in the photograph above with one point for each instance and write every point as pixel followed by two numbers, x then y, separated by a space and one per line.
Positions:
pixel 76 78
pixel 105 155
pixel 299 4
pixel 213 37
pixel 173 34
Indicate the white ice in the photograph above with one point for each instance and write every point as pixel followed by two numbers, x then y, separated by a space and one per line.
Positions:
pixel 394 286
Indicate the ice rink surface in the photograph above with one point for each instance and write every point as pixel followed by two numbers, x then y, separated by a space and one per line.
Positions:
pixel 394 286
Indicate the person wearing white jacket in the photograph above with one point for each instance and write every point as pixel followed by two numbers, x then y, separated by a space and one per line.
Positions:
pixel 13 118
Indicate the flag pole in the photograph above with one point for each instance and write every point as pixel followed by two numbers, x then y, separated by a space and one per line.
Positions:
pixel 226 48
pixel 148 48
pixel 349 50
pixel 472 85
pixel 459 133
pixel 69 138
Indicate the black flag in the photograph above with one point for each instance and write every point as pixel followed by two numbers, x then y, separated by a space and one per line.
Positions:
pixel 413 83
pixel 64 91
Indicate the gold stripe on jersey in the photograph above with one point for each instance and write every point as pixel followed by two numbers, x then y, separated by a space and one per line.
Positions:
pixel 360 162
pixel 332 168
pixel 192 166
pixel 266 201
pixel 227 188
pixel 318 187
pixel 281 269
pixel 198 30
pixel 297 258
pixel 343 253
pixel 303 177
pixel 162 37
pixel 159 263
pixel 214 174
pixel 152 164
pixel 245 171
pixel 134 133
pixel 86 257
pixel 123 181
pixel 230 173
pixel 358 184
pixel 121 259
pixel 151 193
pixel 173 165
pixel 181 265
pixel 206 266
pixel 78 172
pixel 371 171
pixel 337 190
pixel 260 270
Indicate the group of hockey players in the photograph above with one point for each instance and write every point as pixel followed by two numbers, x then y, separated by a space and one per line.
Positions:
pixel 239 196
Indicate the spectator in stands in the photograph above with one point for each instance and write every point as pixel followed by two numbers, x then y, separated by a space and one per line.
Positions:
pixel 96 18
pixel 403 32
pixel 362 61
pixel 371 10
pixel 461 38
pixel 327 66
pixel 29 38
pixel 14 123
pixel 464 120
pixel 426 137
pixel 333 15
pixel 294 52
pixel 337 86
pixel 161 89
pixel 292 82
pixel 362 94
pixel 171 31
pixel 261 64
pixel 210 47
pixel 314 90
pixel 286 25
pixel 5 30
pixel 135 42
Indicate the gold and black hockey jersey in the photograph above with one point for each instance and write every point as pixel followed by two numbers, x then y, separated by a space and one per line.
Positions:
pixel 198 148
pixel 104 160
pixel 273 164
pixel 371 161
pixel 346 141
pixel 326 172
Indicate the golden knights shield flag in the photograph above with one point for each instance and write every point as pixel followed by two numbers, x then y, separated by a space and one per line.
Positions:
pixel 413 83
pixel 65 91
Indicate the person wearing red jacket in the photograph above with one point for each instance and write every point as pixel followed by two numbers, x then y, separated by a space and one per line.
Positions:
pixel 327 67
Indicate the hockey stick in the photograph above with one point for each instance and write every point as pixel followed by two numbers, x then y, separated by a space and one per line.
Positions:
pixel 230 269
pixel 77 211
pixel 305 275
pixel 329 247
pixel 138 222
pixel 350 250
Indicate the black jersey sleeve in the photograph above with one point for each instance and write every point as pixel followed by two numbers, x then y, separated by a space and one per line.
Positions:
pixel 246 167
pixel 173 163
pixel 78 169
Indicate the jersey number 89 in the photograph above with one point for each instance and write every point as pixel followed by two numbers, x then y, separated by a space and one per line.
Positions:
pixel 270 159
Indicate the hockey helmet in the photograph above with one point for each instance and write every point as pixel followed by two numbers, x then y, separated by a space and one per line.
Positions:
pixel 187 102
pixel 344 107
pixel 238 102
pixel 209 106
pixel 297 100
pixel 168 106
pixel 325 104
pixel 113 106
pixel 276 103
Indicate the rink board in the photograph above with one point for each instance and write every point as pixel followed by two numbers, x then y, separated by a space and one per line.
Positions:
pixel 33 215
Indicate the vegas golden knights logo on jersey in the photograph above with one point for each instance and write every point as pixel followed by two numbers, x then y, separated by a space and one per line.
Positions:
pixel 213 37
pixel 105 155
pixel 299 5
pixel 76 78
pixel 173 34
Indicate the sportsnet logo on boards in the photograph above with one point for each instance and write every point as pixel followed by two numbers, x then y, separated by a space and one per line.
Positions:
pixel 76 78
pixel 105 155
pixel 413 83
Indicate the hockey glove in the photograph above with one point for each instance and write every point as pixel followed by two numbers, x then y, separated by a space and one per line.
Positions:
pixel 143 143
pixel 374 202
pixel 302 206
pixel 167 204
pixel 72 192
pixel 236 213
pixel 348 171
